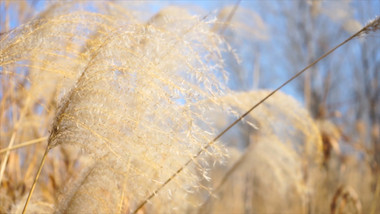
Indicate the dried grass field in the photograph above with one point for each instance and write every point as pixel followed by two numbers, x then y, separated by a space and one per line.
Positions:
pixel 173 107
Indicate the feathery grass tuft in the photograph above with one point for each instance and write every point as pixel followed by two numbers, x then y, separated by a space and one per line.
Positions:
pixel 134 108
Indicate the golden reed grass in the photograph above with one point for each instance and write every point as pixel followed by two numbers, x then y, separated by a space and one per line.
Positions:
pixel 132 95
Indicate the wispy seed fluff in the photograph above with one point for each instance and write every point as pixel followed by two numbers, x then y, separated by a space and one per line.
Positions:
pixel 371 26
pixel 135 109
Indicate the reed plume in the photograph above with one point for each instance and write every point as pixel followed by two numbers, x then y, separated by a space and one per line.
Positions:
pixel 133 109
pixel 284 148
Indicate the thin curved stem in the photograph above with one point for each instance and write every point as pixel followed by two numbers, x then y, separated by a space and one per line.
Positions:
pixel 36 179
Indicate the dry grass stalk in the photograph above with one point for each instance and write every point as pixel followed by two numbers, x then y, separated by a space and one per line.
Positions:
pixel 342 197
pixel 28 143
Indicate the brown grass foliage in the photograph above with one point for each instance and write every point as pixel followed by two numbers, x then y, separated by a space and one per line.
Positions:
pixel 125 108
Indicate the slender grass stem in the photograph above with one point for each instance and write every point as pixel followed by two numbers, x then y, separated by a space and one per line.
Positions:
pixel 36 179
pixel 21 145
